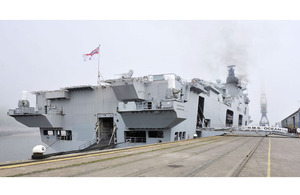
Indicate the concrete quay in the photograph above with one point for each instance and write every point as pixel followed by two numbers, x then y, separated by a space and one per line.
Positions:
pixel 220 156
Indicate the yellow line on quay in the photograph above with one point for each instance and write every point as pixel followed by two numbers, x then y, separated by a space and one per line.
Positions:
pixel 269 159
pixel 72 158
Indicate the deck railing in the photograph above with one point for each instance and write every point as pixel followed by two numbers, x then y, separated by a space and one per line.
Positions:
pixel 88 144
pixel 136 139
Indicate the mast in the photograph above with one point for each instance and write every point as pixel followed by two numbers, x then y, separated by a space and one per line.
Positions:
pixel 98 81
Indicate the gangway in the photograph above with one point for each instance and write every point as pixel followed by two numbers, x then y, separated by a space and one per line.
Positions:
pixel 263 131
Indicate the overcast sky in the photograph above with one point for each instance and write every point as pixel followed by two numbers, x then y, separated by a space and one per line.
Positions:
pixel 47 55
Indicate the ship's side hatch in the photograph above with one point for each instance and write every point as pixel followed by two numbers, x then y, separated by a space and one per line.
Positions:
pixel 229 118
pixel 240 120
pixel 105 130
pixel 200 115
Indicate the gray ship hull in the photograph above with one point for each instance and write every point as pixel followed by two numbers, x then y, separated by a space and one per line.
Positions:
pixel 133 111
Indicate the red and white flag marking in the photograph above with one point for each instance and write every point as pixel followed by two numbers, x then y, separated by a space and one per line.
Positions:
pixel 90 56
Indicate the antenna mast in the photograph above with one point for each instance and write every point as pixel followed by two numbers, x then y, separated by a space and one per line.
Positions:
pixel 98 81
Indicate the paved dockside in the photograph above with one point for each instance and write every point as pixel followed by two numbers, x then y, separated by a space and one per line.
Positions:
pixel 220 156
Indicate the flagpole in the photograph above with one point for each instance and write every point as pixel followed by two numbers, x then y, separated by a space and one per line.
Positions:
pixel 98 82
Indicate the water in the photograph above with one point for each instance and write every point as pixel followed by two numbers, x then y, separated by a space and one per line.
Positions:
pixel 19 146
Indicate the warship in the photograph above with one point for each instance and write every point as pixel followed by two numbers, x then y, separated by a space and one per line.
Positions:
pixel 131 111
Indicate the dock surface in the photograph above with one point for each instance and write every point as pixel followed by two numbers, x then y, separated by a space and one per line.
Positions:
pixel 220 156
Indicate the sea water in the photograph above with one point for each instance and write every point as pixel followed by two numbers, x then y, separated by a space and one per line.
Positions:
pixel 19 146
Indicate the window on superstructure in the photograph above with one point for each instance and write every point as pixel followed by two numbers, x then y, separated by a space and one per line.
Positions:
pixel 149 105
pixel 68 135
pixel 45 132
pixel 180 134
pixel 156 134
pixel 207 123
pixel 176 136
pixel 64 135
pixel 48 132
pixel 135 136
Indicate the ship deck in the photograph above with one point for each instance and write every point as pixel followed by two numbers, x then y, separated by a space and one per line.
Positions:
pixel 219 156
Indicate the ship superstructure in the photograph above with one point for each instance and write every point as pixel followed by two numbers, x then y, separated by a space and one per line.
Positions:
pixel 135 110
